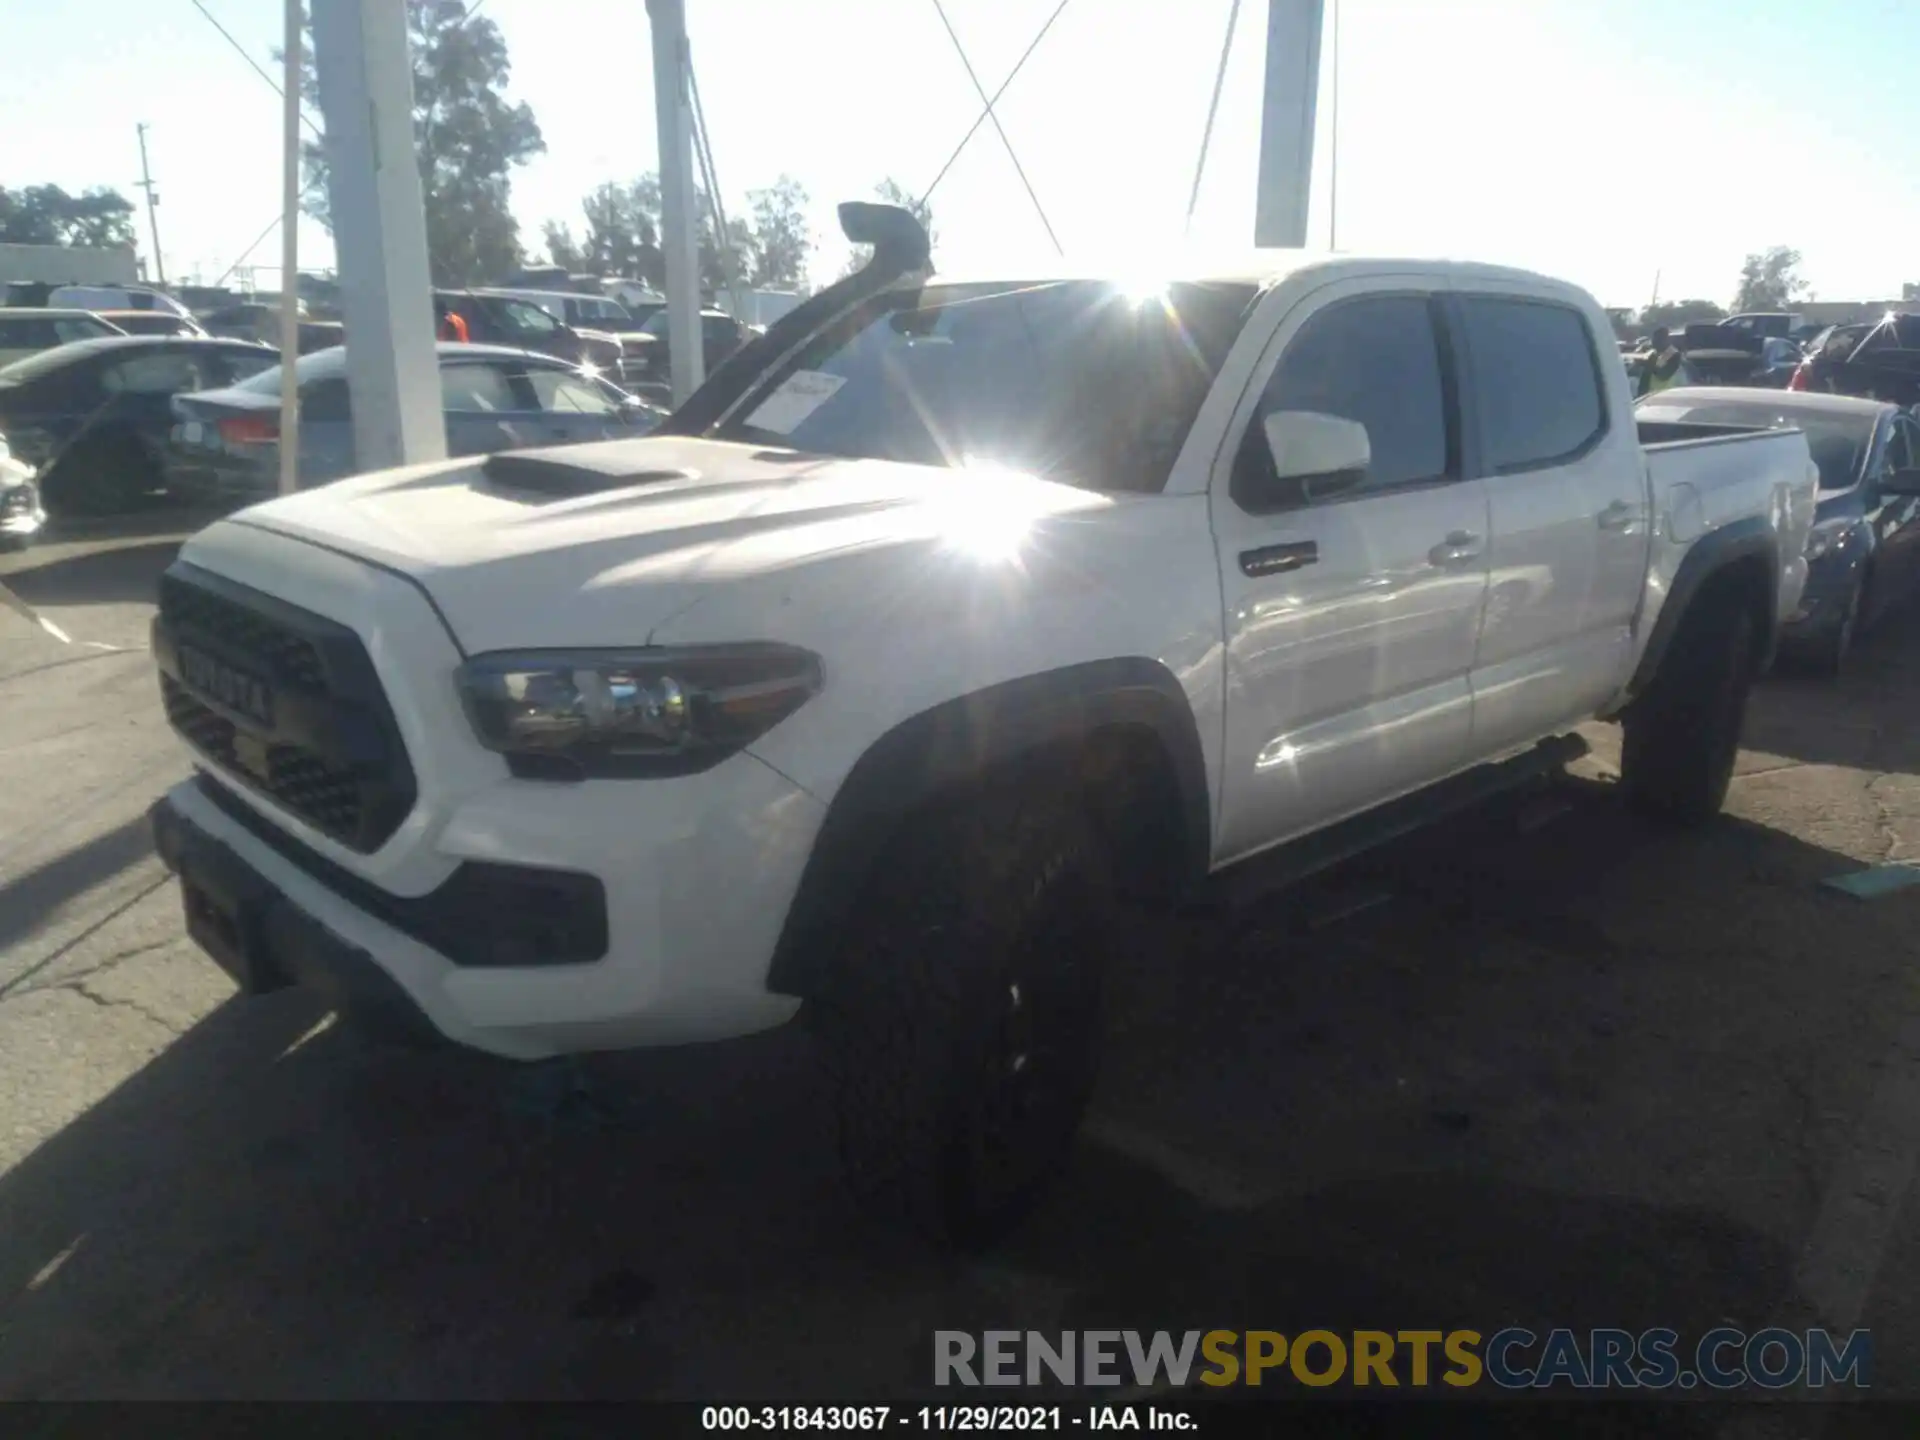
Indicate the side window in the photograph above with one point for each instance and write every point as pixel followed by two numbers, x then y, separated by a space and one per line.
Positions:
pixel 1899 447
pixel 571 394
pixel 1374 361
pixel 476 387
pixel 1536 385
pixel 168 372
pixel 32 334
pixel 326 400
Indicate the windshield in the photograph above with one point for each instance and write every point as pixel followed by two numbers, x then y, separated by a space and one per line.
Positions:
pixel 1073 380
pixel 1838 442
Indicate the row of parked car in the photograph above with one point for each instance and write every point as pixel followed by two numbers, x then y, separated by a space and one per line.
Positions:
pixel 101 421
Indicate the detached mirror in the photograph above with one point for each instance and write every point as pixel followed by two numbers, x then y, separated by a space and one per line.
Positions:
pixel 1317 455
pixel 1904 483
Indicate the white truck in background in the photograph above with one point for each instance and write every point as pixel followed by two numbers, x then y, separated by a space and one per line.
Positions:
pixel 947 616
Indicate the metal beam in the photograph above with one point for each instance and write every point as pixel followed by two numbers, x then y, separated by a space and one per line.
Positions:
pixel 679 216
pixel 379 231
pixel 1291 98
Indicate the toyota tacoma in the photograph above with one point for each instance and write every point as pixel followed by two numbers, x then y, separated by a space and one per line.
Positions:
pixel 946 619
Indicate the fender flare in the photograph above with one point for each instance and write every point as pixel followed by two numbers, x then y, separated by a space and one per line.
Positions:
pixel 1711 555
pixel 942 749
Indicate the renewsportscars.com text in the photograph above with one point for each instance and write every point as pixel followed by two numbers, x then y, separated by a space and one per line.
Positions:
pixel 1513 1358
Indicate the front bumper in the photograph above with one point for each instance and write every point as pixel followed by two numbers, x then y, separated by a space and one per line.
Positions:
pixel 697 872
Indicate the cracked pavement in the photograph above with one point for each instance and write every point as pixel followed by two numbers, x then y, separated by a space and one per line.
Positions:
pixel 1538 1066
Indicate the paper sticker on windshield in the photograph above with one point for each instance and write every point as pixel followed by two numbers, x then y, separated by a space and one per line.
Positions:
pixel 1659 412
pixel 799 395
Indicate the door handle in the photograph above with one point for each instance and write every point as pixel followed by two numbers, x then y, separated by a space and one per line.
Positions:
pixel 1278 559
pixel 1617 516
pixel 1460 545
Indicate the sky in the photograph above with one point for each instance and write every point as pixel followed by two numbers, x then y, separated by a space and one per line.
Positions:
pixel 1619 144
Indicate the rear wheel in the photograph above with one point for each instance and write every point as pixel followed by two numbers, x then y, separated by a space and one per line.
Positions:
pixel 1831 657
pixel 104 474
pixel 1682 735
pixel 963 1021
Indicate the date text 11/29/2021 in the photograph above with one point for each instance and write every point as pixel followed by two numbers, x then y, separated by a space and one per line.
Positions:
pixel 942 1418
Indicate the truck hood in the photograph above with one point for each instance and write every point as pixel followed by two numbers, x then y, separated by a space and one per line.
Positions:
pixel 601 544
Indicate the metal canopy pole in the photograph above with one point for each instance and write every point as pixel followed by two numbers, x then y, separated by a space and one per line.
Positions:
pixel 679 219
pixel 1286 123
pixel 379 231
pixel 290 255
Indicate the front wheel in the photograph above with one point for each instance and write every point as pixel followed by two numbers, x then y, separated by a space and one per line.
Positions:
pixel 963 1020
pixel 1683 734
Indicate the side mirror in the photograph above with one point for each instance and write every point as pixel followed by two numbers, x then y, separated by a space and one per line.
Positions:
pixel 1904 483
pixel 1317 455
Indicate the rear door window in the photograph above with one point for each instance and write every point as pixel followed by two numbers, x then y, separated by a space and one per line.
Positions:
pixel 482 388
pixel 160 372
pixel 1537 385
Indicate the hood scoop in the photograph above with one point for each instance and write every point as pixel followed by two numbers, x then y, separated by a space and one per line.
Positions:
pixel 556 475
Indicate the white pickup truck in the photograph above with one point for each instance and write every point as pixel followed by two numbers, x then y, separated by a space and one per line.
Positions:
pixel 942 621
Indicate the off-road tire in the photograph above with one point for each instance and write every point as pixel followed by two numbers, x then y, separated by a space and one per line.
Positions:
pixel 962 1019
pixel 1682 735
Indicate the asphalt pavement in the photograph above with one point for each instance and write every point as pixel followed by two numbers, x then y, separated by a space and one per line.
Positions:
pixel 1542 1065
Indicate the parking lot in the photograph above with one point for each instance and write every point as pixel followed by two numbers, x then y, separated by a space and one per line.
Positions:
pixel 1544 1066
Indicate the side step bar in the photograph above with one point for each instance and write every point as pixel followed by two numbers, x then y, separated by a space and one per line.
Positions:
pixel 1259 876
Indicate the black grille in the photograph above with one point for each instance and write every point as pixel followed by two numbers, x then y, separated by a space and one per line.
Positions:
pixel 283 654
pixel 327 749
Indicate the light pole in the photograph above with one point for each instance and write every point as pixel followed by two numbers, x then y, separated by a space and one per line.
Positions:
pixel 153 220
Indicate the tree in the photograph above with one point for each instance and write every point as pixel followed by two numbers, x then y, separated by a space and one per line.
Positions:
pixel 48 215
pixel 1675 313
pixel 781 238
pixel 1770 280
pixel 467 139
pixel 623 231
pixel 892 192
pixel 562 249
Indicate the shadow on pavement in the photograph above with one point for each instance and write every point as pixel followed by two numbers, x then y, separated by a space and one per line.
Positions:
pixel 1862 719
pixel 1513 1091
pixel 26 899
pixel 127 575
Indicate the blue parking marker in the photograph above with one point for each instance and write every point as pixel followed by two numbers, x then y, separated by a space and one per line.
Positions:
pixel 1875 881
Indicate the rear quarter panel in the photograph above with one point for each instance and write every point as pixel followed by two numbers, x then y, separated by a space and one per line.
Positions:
pixel 1700 486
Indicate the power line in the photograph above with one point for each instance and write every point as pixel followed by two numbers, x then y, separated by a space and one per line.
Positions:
pixel 1213 109
pixel 982 118
pixel 981 91
pixel 241 51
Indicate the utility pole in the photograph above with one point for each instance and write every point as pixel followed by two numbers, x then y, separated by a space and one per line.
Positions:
pixel 153 220
pixel 679 219
pixel 1333 149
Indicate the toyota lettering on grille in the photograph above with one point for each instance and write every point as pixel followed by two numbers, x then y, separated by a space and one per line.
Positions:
pixel 225 685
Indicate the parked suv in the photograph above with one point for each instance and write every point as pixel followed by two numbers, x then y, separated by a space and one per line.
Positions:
pixel 493 319
pixel 943 623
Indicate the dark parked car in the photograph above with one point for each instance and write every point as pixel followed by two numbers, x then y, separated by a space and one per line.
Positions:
pixel 1878 360
pixel 94 415
pixel 253 320
pixel 523 325
pixel 1863 556
pixel 227 442
pixel 648 361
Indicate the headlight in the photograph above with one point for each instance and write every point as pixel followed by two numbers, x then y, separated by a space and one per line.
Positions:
pixel 566 714
pixel 1827 536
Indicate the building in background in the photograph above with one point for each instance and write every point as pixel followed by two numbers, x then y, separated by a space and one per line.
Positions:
pixel 68 265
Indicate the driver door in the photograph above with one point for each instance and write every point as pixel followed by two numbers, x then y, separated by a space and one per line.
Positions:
pixel 1351 617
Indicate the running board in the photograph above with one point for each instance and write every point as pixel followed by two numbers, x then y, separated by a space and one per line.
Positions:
pixel 1259 876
